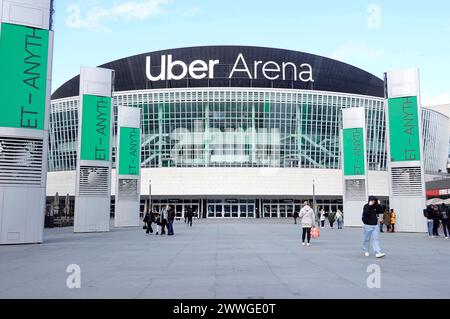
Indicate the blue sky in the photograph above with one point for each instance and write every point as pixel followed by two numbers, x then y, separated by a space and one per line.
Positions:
pixel 374 35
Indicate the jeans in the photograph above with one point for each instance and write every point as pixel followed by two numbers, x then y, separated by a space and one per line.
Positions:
pixel 170 228
pixel 430 227
pixel 339 222
pixel 381 227
pixel 306 232
pixel 371 233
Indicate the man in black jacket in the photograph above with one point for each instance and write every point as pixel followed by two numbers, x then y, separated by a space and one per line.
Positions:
pixel 371 230
pixel 170 218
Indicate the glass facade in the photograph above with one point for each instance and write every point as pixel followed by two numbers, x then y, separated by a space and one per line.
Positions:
pixel 230 128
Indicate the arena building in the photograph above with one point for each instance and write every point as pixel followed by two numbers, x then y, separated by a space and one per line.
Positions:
pixel 238 131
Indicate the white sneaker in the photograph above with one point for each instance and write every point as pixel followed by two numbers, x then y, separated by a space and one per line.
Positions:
pixel 366 254
pixel 380 255
pixel 303 244
pixel 308 244
pixel 446 237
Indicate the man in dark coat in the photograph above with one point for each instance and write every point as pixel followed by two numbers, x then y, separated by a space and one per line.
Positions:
pixel 371 230
pixel 170 218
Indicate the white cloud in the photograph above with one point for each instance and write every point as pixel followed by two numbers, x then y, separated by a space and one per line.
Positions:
pixel 96 18
pixel 354 52
pixel 191 12
pixel 440 99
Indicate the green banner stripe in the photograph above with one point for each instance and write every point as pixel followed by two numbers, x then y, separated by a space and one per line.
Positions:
pixel 353 140
pixel 404 129
pixel 23 80
pixel 96 128
pixel 130 150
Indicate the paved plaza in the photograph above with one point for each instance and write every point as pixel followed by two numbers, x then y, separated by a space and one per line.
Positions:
pixel 225 259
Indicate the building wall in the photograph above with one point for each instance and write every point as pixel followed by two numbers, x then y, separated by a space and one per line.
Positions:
pixel 210 182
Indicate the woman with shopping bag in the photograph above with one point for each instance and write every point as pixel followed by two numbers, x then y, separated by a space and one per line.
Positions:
pixel 307 220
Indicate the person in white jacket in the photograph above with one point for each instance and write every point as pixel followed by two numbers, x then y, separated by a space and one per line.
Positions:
pixel 307 220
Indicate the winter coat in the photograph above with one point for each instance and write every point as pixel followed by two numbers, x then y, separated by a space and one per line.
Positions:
pixel 443 212
pixel 393 216
pixel 370 214
pixel 387 218
pixel 307 216
pixel 332 217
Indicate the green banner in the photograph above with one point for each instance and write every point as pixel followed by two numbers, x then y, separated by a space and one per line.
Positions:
pixel 96 128
pixel 404 129
pixel 353 140
pixel 130 147
pixel 23 80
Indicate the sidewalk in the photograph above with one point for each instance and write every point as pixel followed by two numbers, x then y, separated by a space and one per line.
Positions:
pixel 224 259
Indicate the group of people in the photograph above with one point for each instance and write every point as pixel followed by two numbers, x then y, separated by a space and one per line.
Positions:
pixel 387 219
pixel 164 220
pixel 370 218
pixel 437 215
pixel 322 216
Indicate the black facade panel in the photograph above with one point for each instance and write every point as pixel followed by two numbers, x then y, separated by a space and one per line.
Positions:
pixel 329 75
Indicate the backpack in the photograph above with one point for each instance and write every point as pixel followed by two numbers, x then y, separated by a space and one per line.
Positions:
pixel 425 213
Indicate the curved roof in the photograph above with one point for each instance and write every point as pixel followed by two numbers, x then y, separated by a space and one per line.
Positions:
pixel 328 74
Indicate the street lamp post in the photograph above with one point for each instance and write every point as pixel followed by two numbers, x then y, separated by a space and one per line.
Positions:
pixel 314 196
pixel 150 194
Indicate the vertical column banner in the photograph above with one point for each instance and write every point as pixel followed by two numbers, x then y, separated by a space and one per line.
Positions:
pixel 405 150
pixel 354 167
pixel 128 168
pixel 26 56
pixel 93 188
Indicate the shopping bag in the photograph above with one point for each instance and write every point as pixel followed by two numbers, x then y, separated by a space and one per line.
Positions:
pixel 315 232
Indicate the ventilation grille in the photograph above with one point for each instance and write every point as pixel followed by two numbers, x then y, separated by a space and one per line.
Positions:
pixel 406 181
pixel 128 189
pixel 21 161
pixel 94 181
pixel 355 190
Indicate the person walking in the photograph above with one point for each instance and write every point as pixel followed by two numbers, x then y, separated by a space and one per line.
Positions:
pixel 339 218
pixel 331 218
pixel 307 220
pixel 436 221
pixel 295 217
pixel 387 220
pixel 170 218
pixel 322 218
pixel 189 217
pixel 381 222
pixel 428 214
pixel 393 217
pixel 444 217
pixel 370 214
pixel 148 219
pixel 158 222
pixel 164 216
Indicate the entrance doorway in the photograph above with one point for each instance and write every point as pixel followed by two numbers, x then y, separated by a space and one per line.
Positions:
pixel 226 208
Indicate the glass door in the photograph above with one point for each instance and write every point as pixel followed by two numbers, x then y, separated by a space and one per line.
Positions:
pixel 227 211
pixel 179 213
pixel 274 211
pixel 243 211
pixel 235 211
pixel 282 210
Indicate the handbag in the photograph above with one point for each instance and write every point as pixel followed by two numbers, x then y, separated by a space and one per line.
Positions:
pixel 315 232
pixel 144 227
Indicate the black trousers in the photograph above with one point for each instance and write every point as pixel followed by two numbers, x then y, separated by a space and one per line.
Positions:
pixel 163 227
pixel 446 226
pixel 435 227
pixel 306 233
pixel 190 222
pixel 331 224
pixel 392 228
pixel 149 228
pixel 322 223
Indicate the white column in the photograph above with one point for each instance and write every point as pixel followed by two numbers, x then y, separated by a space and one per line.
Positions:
pixel 128 177
pixel 405 150
pixel 93 183
pixel 26 48
pixel 354 164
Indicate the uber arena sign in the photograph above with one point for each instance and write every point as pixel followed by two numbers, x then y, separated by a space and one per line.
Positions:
pixel 200 69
